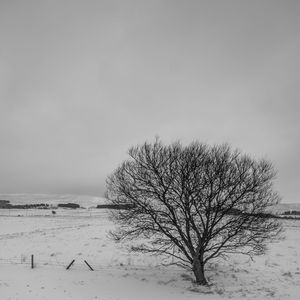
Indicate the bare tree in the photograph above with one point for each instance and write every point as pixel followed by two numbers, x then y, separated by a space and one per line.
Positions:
pixel 206 201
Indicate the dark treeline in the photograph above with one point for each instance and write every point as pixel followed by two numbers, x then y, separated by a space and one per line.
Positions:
pixel 292 212
pixel 6 205
pixel 115 206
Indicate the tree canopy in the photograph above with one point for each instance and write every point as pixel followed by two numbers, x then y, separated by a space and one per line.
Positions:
pixel 203 201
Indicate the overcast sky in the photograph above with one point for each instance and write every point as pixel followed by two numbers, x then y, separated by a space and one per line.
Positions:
pixel 82 81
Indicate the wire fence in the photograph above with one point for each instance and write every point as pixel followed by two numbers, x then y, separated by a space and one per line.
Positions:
pixel 35 262
pixel 162 272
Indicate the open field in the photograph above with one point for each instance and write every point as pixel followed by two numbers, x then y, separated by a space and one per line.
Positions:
pixel 55 240
pixel 53 199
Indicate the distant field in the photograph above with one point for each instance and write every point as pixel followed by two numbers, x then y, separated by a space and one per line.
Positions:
pixel 53 199
pixel 280 208
pixel 92 201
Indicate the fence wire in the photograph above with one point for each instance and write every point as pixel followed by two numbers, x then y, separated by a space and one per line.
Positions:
pixel 78 264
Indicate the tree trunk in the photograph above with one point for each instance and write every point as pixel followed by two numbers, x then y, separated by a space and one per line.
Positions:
pixel 198 269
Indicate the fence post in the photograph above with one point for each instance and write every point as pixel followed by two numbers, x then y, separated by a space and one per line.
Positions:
pixel 89 265
pixel 68 267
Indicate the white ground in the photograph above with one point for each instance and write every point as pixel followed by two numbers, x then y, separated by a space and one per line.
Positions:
pixel 55 240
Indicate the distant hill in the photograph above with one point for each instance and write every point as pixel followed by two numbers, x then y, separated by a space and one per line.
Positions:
pixel 53 199
pixel 93 201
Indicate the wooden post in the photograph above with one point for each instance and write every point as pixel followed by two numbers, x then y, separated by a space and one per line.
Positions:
pixel 68 267
pixel 32 262
pixel 89 265
pixel 173 254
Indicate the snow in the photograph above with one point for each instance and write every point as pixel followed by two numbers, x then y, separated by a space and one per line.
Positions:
pixel 55 240
pixel 53 199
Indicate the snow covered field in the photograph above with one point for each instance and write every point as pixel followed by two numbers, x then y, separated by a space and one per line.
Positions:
pixel 53 199
pixel 55 240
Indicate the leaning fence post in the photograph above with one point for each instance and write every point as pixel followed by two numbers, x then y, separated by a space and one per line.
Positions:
pixel 68 267
pixel 32 262
pixel 89 265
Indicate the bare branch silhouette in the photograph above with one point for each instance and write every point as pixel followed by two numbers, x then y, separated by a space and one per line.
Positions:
pixel 203 201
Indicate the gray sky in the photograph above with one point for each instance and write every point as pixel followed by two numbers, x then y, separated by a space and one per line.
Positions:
pixel 82 81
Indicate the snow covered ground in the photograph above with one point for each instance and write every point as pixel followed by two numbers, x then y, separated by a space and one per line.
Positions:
pixel 55 240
